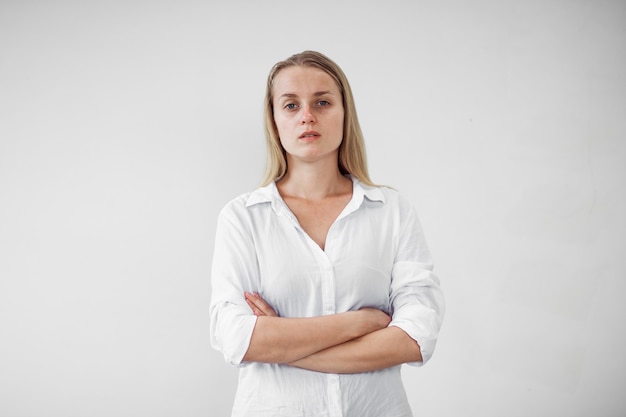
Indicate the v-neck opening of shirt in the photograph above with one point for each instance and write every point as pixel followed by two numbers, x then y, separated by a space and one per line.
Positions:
pixel 350 207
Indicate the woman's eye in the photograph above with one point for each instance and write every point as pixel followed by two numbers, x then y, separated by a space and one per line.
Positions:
pixel 290 106
pixel 323 103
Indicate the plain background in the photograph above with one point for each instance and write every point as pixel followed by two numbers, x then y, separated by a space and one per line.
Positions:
pixel 125 126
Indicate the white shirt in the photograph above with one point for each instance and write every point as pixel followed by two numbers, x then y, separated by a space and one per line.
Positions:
pixel 375 256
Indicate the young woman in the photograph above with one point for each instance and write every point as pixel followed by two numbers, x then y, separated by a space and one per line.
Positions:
pixel 322 283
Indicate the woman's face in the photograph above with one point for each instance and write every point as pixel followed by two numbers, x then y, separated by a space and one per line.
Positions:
pixel 308 112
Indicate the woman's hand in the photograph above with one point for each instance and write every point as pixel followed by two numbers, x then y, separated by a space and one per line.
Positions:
pixel 258 305
pixel 373 319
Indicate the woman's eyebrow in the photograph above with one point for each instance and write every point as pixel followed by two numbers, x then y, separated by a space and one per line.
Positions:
pixel 316 94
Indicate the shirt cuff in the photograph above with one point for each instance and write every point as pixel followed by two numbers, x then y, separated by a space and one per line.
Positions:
pixel 233 338
pixel 419 332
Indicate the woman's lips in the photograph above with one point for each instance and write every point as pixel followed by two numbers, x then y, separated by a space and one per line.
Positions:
pixel 309 135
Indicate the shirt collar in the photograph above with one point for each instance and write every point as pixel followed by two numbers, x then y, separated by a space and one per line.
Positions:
pixel 270 194
pixel 265 194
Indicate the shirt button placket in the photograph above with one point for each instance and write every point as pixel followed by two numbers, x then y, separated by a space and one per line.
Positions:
pixel 329 307
pixel 328 289
pixel 334 395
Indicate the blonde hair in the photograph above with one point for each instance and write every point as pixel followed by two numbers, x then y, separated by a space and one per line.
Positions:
pixel 352 157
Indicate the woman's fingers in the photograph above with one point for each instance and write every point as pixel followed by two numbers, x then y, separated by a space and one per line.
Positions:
pixel 258 305
pixel 253 307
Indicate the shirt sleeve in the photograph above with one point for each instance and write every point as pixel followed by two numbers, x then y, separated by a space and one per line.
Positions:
pixel 233 272
pixel 417 301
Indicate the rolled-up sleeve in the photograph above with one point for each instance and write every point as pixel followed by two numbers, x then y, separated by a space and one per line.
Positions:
pixel 234 271
pixel 417 301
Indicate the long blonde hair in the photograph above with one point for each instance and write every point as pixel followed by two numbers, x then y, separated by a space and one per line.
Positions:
pixel 352 157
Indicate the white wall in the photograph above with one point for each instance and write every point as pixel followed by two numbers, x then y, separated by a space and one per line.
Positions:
pixel 126 125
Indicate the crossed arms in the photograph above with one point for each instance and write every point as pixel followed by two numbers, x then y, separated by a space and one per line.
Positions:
pixel 350 342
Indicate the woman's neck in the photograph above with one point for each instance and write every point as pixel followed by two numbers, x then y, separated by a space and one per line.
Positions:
pixel 313 181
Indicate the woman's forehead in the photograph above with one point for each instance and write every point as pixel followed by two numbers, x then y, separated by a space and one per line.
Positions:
pixel 303 80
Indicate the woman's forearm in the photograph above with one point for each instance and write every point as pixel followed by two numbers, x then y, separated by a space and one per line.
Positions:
pixel 283 340
pixel 377 350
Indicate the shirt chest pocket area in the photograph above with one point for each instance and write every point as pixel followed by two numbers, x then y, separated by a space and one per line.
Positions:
pixel 362 285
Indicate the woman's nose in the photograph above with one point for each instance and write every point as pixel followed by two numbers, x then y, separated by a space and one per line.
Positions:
pixel 307 116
